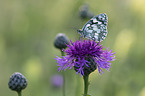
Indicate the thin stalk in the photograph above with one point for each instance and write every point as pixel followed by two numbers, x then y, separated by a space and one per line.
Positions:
pixel 86 83
pixel 63 89
pixel 19 93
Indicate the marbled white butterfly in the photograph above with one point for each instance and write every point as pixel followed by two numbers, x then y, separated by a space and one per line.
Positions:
pixel 95 28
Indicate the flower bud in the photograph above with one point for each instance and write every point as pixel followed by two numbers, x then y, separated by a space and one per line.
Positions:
pixel 17 82
pixel 60 41
pixel 85 13
pixel 57 81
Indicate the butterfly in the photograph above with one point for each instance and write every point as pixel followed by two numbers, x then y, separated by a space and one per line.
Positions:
pixel 95 28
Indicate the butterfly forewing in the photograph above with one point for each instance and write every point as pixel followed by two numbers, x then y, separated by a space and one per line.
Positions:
pixel 95 28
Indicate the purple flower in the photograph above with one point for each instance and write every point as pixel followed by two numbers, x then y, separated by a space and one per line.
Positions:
pixel 57 81
pixel 85 56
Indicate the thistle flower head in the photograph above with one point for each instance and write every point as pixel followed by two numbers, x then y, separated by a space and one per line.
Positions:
pixel 85 56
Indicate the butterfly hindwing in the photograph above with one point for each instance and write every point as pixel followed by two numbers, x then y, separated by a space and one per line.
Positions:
pixel 95 28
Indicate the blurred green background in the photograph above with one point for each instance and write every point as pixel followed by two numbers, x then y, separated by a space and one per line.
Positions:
pixel 27 32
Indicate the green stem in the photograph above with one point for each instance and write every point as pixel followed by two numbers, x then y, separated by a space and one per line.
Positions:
pixel 62 53
pixel 19 93
pixel 86 83
pixel 63 84
pixel 63 89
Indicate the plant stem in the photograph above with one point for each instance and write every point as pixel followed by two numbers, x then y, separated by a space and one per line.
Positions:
pixel 62 53
pixel 19 93
pixel 86 83
pixel 63 89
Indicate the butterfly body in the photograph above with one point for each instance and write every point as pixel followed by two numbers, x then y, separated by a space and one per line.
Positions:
pixel 95 28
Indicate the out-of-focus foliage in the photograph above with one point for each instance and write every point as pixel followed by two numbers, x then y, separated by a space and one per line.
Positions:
pixel 27 32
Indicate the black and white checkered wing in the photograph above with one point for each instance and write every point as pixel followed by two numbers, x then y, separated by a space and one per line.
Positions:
pixel 95 28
